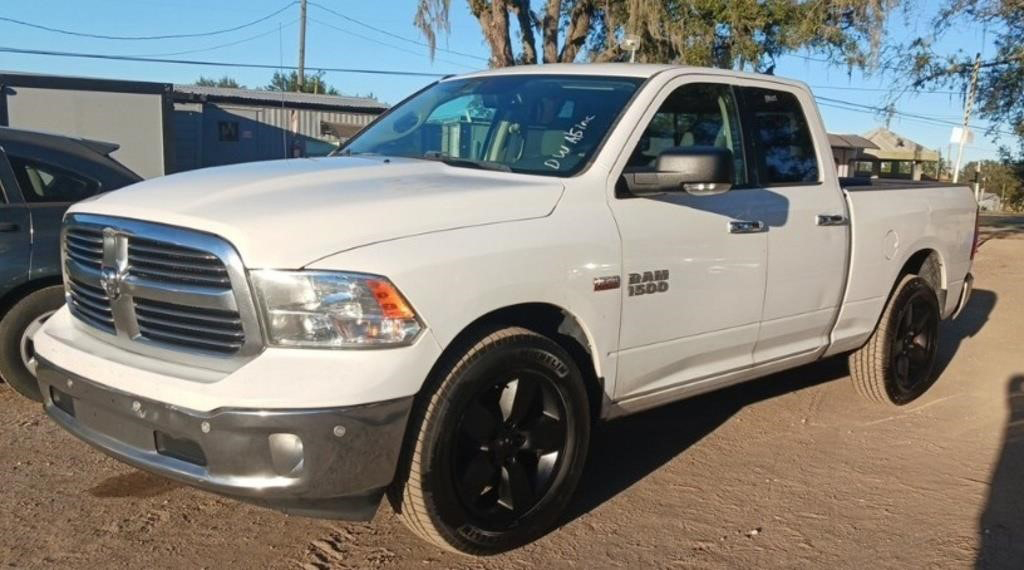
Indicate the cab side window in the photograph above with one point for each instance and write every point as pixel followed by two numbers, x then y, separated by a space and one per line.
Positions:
pixel 781 136
pixel 42 182
pixel 698 114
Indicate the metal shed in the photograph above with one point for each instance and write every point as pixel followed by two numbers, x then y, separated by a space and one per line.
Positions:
pixel 219 125
pixel 135 115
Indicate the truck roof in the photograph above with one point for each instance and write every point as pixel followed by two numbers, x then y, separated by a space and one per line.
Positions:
pixel 643 70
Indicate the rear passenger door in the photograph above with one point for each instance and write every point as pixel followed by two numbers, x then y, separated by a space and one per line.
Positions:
pixel 49 184
pixel 15 232
pixel 808 229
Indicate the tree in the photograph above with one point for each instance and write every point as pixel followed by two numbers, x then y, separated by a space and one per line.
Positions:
pixel 1004 178
pixel 290 82
pixel 721 33
pixel 1001 76
pixel 222 82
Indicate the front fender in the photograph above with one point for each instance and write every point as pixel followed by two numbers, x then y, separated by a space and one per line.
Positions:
pixel 454 277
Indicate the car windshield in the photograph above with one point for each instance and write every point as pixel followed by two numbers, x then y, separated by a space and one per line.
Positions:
pixel 536 124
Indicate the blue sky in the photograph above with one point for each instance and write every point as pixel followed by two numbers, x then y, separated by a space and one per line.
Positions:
pixel 333 41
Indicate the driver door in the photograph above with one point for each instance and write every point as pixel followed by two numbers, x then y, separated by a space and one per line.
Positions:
pixel 15 232
pixel 694 266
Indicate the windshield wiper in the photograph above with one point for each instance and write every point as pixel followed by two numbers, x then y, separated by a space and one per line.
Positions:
pixel 465 162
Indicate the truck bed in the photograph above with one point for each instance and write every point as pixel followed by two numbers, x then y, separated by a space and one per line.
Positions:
pixel 857 184
pixel 887 229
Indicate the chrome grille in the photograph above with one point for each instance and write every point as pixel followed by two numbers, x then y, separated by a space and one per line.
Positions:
pixel 176 294
pixel 85 245
pixel 171 263
pixel 91 305
pixel 203 329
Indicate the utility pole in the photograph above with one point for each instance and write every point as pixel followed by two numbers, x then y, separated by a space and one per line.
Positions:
pixel 977 181
pixel 968 105
pixel 949 160
pixel 301 76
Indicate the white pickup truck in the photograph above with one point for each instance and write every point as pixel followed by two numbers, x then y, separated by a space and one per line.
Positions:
pixel 442 312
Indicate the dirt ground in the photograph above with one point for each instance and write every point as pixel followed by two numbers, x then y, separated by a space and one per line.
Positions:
pixel 790 471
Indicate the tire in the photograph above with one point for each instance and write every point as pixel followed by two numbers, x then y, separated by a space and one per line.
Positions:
pixel 17 361
pixel 897 364
pixel 931 272
pixel 496 452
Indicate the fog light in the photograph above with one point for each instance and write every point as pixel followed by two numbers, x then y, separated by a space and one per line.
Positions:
pixel 286 453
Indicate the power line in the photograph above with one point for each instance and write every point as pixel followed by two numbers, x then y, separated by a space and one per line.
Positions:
pixel 142 38
pixel 113 57
pixel 881 89
pixel 392 34
pixel 874 111
pixel 392 46
pixel 862 108
pixel 945 119
pixel 218 46
pixel 826 101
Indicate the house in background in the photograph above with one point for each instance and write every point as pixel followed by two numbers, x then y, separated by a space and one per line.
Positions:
pixel 896 156
pixel 990 202
pixel 848 152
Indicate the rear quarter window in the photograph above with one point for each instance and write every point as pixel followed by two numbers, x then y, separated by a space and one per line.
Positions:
pixel 41 182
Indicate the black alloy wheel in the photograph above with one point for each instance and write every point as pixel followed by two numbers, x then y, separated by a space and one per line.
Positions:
pixel 497 446
pixel 913 346
pixel 897 363
pixel 509 444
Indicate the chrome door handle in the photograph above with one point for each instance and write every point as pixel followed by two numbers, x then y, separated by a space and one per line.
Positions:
pixel 746 227
pixel 831 220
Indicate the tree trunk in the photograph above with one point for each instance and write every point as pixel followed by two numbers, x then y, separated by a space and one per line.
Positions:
pixel 578 30
pixel 526 23
pixel 549 28
pixel 493 18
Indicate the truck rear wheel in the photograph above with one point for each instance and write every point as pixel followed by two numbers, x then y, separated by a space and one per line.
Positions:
pixel 897 364
pixel 17 350
pixel 499 447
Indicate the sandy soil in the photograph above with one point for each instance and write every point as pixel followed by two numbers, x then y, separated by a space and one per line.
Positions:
pixel 793 470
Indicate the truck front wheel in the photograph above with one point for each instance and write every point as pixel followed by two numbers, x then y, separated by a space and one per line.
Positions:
pixel 499 447
pixel 897 364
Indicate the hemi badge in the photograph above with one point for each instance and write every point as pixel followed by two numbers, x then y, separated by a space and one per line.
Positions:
pixel 606 283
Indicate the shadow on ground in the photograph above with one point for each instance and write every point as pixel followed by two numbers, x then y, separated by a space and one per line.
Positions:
pixel 627 450
pixel 971 320
pixel 1001 528
pixel 132 484
pixel 1000 226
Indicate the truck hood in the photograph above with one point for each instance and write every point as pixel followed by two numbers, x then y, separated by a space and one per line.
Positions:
pixel 289 213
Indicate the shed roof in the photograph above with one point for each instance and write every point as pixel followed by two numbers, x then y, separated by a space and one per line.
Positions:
pixel 849 141
pixel 278 98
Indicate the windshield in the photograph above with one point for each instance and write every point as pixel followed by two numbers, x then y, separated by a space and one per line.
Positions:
pixel 536 124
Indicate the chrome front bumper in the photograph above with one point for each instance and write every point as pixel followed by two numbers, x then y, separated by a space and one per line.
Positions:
pixel 325 462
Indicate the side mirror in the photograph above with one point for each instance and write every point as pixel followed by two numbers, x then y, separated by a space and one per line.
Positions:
pixel 696 170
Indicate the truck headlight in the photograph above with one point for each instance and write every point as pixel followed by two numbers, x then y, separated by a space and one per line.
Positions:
pixel 329 309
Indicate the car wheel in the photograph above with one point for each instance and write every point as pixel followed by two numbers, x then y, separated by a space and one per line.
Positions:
pixel 897 364
pixel 499 446
pixel 17 329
